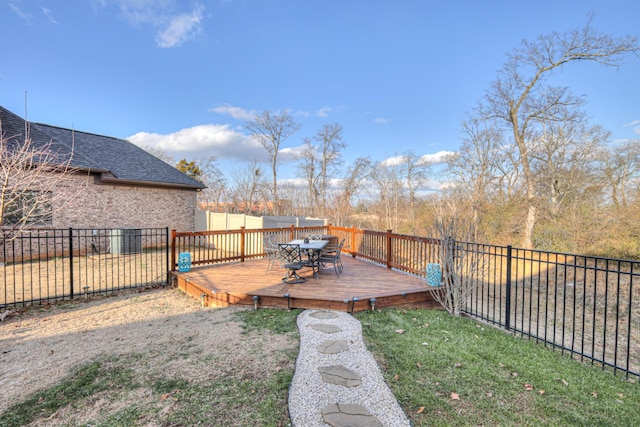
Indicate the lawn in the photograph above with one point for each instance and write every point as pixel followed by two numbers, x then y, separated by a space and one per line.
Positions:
pixel 443 370
pixel 455 371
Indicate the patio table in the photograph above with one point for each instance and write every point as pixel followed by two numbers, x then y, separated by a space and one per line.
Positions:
pixel 313 248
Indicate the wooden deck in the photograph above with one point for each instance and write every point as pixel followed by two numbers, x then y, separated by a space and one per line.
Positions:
pixel 239 283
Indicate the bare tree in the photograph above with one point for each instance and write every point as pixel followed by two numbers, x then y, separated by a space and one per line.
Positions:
pixel 463 267
pixel 350 185
pixel 248 188
pixel 521 102
pixel 331 144
pixel 212 177
pixel 308 170
pixel 476 164
pixel 388 181
pixel 565 161
pixel 319 162
pixel 621 168
pixel 416 172
pixel 271 130
pixel 31 175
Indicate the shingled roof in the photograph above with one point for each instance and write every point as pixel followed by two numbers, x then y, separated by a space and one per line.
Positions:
pixel 117 161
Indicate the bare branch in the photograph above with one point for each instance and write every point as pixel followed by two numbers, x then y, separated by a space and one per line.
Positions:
pixel 30 179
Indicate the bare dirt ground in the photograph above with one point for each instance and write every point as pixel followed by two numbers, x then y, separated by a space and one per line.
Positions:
pixel 173 333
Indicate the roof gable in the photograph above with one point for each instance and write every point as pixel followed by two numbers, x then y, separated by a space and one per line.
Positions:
pixel 118 159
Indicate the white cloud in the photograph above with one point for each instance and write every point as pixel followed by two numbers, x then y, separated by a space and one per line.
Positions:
pixel 204 141
pixel 238 113
pixel 427 159
pixel 635 125
pixel 174 26
pixel 381 121
pixel 394 161
pixel 18 11
pixel 324 112
pixel 181 28
pixel 290 154
pixel 47 13
pixel 437 158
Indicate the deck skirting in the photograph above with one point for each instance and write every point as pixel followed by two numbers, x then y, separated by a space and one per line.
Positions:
pixel 361 286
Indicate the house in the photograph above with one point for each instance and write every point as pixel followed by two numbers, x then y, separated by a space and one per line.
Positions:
pixel 114 184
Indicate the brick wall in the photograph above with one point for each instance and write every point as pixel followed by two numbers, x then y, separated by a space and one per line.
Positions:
pixel 81 203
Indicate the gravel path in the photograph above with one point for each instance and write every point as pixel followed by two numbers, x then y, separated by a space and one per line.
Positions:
pixel 310 393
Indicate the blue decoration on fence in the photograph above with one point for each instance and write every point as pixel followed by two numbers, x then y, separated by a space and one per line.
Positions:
pixel 434 275
pixel 184 262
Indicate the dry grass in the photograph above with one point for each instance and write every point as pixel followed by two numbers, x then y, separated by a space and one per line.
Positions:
pixel 50 278
pixel 162 352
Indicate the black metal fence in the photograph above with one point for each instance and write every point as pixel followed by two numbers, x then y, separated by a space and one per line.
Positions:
pixel 54 264
pixel 584 305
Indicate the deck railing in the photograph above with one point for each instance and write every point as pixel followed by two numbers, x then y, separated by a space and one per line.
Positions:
pixel 582 305
pixel 408 254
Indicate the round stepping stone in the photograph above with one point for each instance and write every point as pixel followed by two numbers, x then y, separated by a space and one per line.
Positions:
pixel 338 374
pixel 346 415
pixel 333 346
pixel 327 329
pixel 324 315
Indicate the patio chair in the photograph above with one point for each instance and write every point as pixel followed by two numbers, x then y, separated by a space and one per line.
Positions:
pixel 291 259
pixel 331 248
pixel 332 256
pixel 271 249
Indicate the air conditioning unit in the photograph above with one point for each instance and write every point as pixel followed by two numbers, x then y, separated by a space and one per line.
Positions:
pixel 124 241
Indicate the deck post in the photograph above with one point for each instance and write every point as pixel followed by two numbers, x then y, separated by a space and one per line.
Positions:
pixel 353 241
pixel 242 241
pixel 389 248
pixel 172 267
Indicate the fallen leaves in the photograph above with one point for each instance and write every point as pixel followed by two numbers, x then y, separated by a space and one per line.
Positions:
pixel 400 331
pixel 530 387
pixel 455 396
pixel 420 410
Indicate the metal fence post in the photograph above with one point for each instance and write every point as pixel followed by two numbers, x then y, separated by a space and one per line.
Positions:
pixel 507 306
pixel 166 252
pixel 71 262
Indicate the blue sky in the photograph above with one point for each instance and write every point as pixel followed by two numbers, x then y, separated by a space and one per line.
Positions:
pixel 185 75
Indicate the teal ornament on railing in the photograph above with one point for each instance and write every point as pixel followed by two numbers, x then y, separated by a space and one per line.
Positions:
pixel 434 275
pixel 184 262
